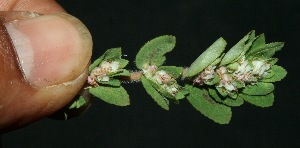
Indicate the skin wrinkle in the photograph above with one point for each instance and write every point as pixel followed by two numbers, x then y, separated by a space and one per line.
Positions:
pixel 70 83
pixel 8 4
pixel 52 102
pixel 25 5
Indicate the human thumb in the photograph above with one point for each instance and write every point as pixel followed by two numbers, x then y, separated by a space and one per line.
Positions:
pixel 44 60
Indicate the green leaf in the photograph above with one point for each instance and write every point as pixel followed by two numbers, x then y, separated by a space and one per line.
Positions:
pixel 95 64
pixel 272 61
pixel 112 54
pixel 258 89
pixel 181 94
pixel 112 95
pixel 214 81
pixel 217 61
pixel 234 102
pixel 222 91
pixel 261 101
pixel 235 51
pixel 162 91
pixel 200 100
pixel 233 66
pixel 122 72
pixel 152 53
pixel 239 84
pixel 78 103
pixel 215 95
pixel 247 46
pixel 266 51
pixel 279 74
pixel 173 70
pixel 269 75
pixel 227 100
pixel 250 41
pixel 160 100
pixel 111 82
pixel 259 41
pixel 232 95
pixel 206 58
pixel 122 62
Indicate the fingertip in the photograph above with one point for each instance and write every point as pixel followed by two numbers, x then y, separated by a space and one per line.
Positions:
pixel 51 49
pixel 45 65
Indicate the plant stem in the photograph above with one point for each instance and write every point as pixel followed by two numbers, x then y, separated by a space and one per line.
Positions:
pixel 134 76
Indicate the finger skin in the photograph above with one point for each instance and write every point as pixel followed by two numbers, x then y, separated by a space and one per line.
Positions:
pixel 40 6
pixel 20 102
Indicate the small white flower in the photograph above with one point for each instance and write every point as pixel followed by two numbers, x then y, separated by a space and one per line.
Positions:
pixel 110 66
pixel 103 78
pixel 157 79
pixel 226 80
pixel 115 66
pixel 100 73
pixel 106 66
pixel 207 77
pixel 229 87
pixel 161 77
pixel 209 72
pixel 172 89
pixel 243 68
pixel 260 68
pixel 97 71
pixel 257 65
pixel 149 71
pixel 222 70
pixel 161 73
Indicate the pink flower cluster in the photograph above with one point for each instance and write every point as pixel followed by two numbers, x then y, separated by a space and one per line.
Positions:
pixel 102 72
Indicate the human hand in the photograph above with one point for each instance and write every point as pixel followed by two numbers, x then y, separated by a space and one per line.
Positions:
pixel 43 60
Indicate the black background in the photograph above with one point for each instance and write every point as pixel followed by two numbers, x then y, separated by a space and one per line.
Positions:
pixel 196 24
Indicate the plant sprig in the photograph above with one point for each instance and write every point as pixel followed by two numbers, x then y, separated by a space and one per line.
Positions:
pixel 214 83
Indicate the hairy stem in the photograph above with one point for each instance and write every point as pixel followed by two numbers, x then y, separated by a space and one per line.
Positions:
pixel 134 76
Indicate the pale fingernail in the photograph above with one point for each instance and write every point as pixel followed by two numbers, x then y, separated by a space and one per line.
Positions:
pixel 51 49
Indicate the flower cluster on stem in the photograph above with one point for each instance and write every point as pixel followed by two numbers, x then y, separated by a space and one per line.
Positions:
pixel 238 75
pixel 161 78
pixel 102 72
